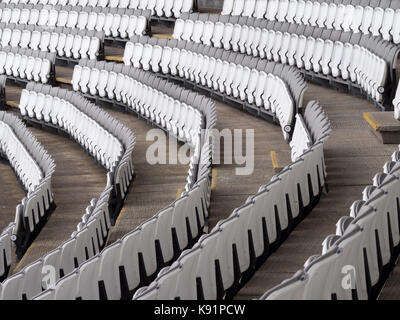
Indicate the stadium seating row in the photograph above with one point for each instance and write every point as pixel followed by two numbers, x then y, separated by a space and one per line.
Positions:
pixel 26 64
pixel 115 23
pixel 364 62
pixel 224 260
pixel 132 261
pixel 161 8
pixel 276 90
pixel 5 251
pixel 354 262
pixel 181 120
pixel 69 44
pixel 34 168
pixel 107 140
pixel 377 21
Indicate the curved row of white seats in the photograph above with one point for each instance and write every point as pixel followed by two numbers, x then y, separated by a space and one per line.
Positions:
pixel 93 137
pixel 66 44
pixel 161 8
pixel 92 232
pixel 5 251
pixel 35 171
pixel 25 66
pixel 350 62
pixel 117 89
pixel 182 120
pixel 377 21
pixel 166 229
pixel 396 103
pixel 218 261
pixel 84 243
pixel 251 85
pixel 116 24
pixel 24 165
pixel 369 237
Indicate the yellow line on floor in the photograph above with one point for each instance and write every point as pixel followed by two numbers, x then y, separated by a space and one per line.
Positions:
pixel 114 58
pixel 21 262
pixel 119 217
pixel 63 80
pixel 371 121
pixel 162 36
pixel 274 160
pixel 179 193
pixel 214 174
pixel 13 104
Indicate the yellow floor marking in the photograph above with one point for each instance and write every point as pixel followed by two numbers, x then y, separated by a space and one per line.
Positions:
pixel 119 217
pixel 114 58
pixel 274 160
pixel 162 36
pixel 214 174
pixel 371 121
pixel 179 193
pixel 21 262
pixel 13 104
pixel 63 80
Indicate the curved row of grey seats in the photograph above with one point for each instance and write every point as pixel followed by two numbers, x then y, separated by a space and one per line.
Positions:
pixel 134 260
pixel 355 261
pixel 268 88
pixel 221 262
pixel 67 43
pixel 27 64
pixel 115 23
pixel 106 140
pixel 356 60
pixel 34 168
pixel 377 20
pixel 161 8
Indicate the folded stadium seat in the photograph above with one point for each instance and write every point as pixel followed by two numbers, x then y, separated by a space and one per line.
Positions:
pixel 21 72
pixel 227 7
pixel 69 43
pixel 43 17
pixel 282 10
pixel 348 18
pixel 357 19
pixel 322 14
pixel 76 46
pixel 291 11
pixel 15 38
pixel 197 31
pixel 345 61
pixel 6 15
pixel 82 21
pixel 44 41
pixel 395 31
pixel 62 18
pixel 300 52
pixel 116 21
pixel 237 29
pixel 187 30
pixel 339 17
pixel 327 56
pixel 6 37
pixel 367 20
pixel 15 15
pixel 308 7
pixel 315 10
pixel 9 63
pixel 156 55
pixel 377 21
pixel 36 69
pixel 244 34
pixel 123 27
pixel 72 19
pixel 316 60
pixel 337 55
pixel 300 8
pixel 272 10
pixel 218 34
pixel 238 7
pixel 62 38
